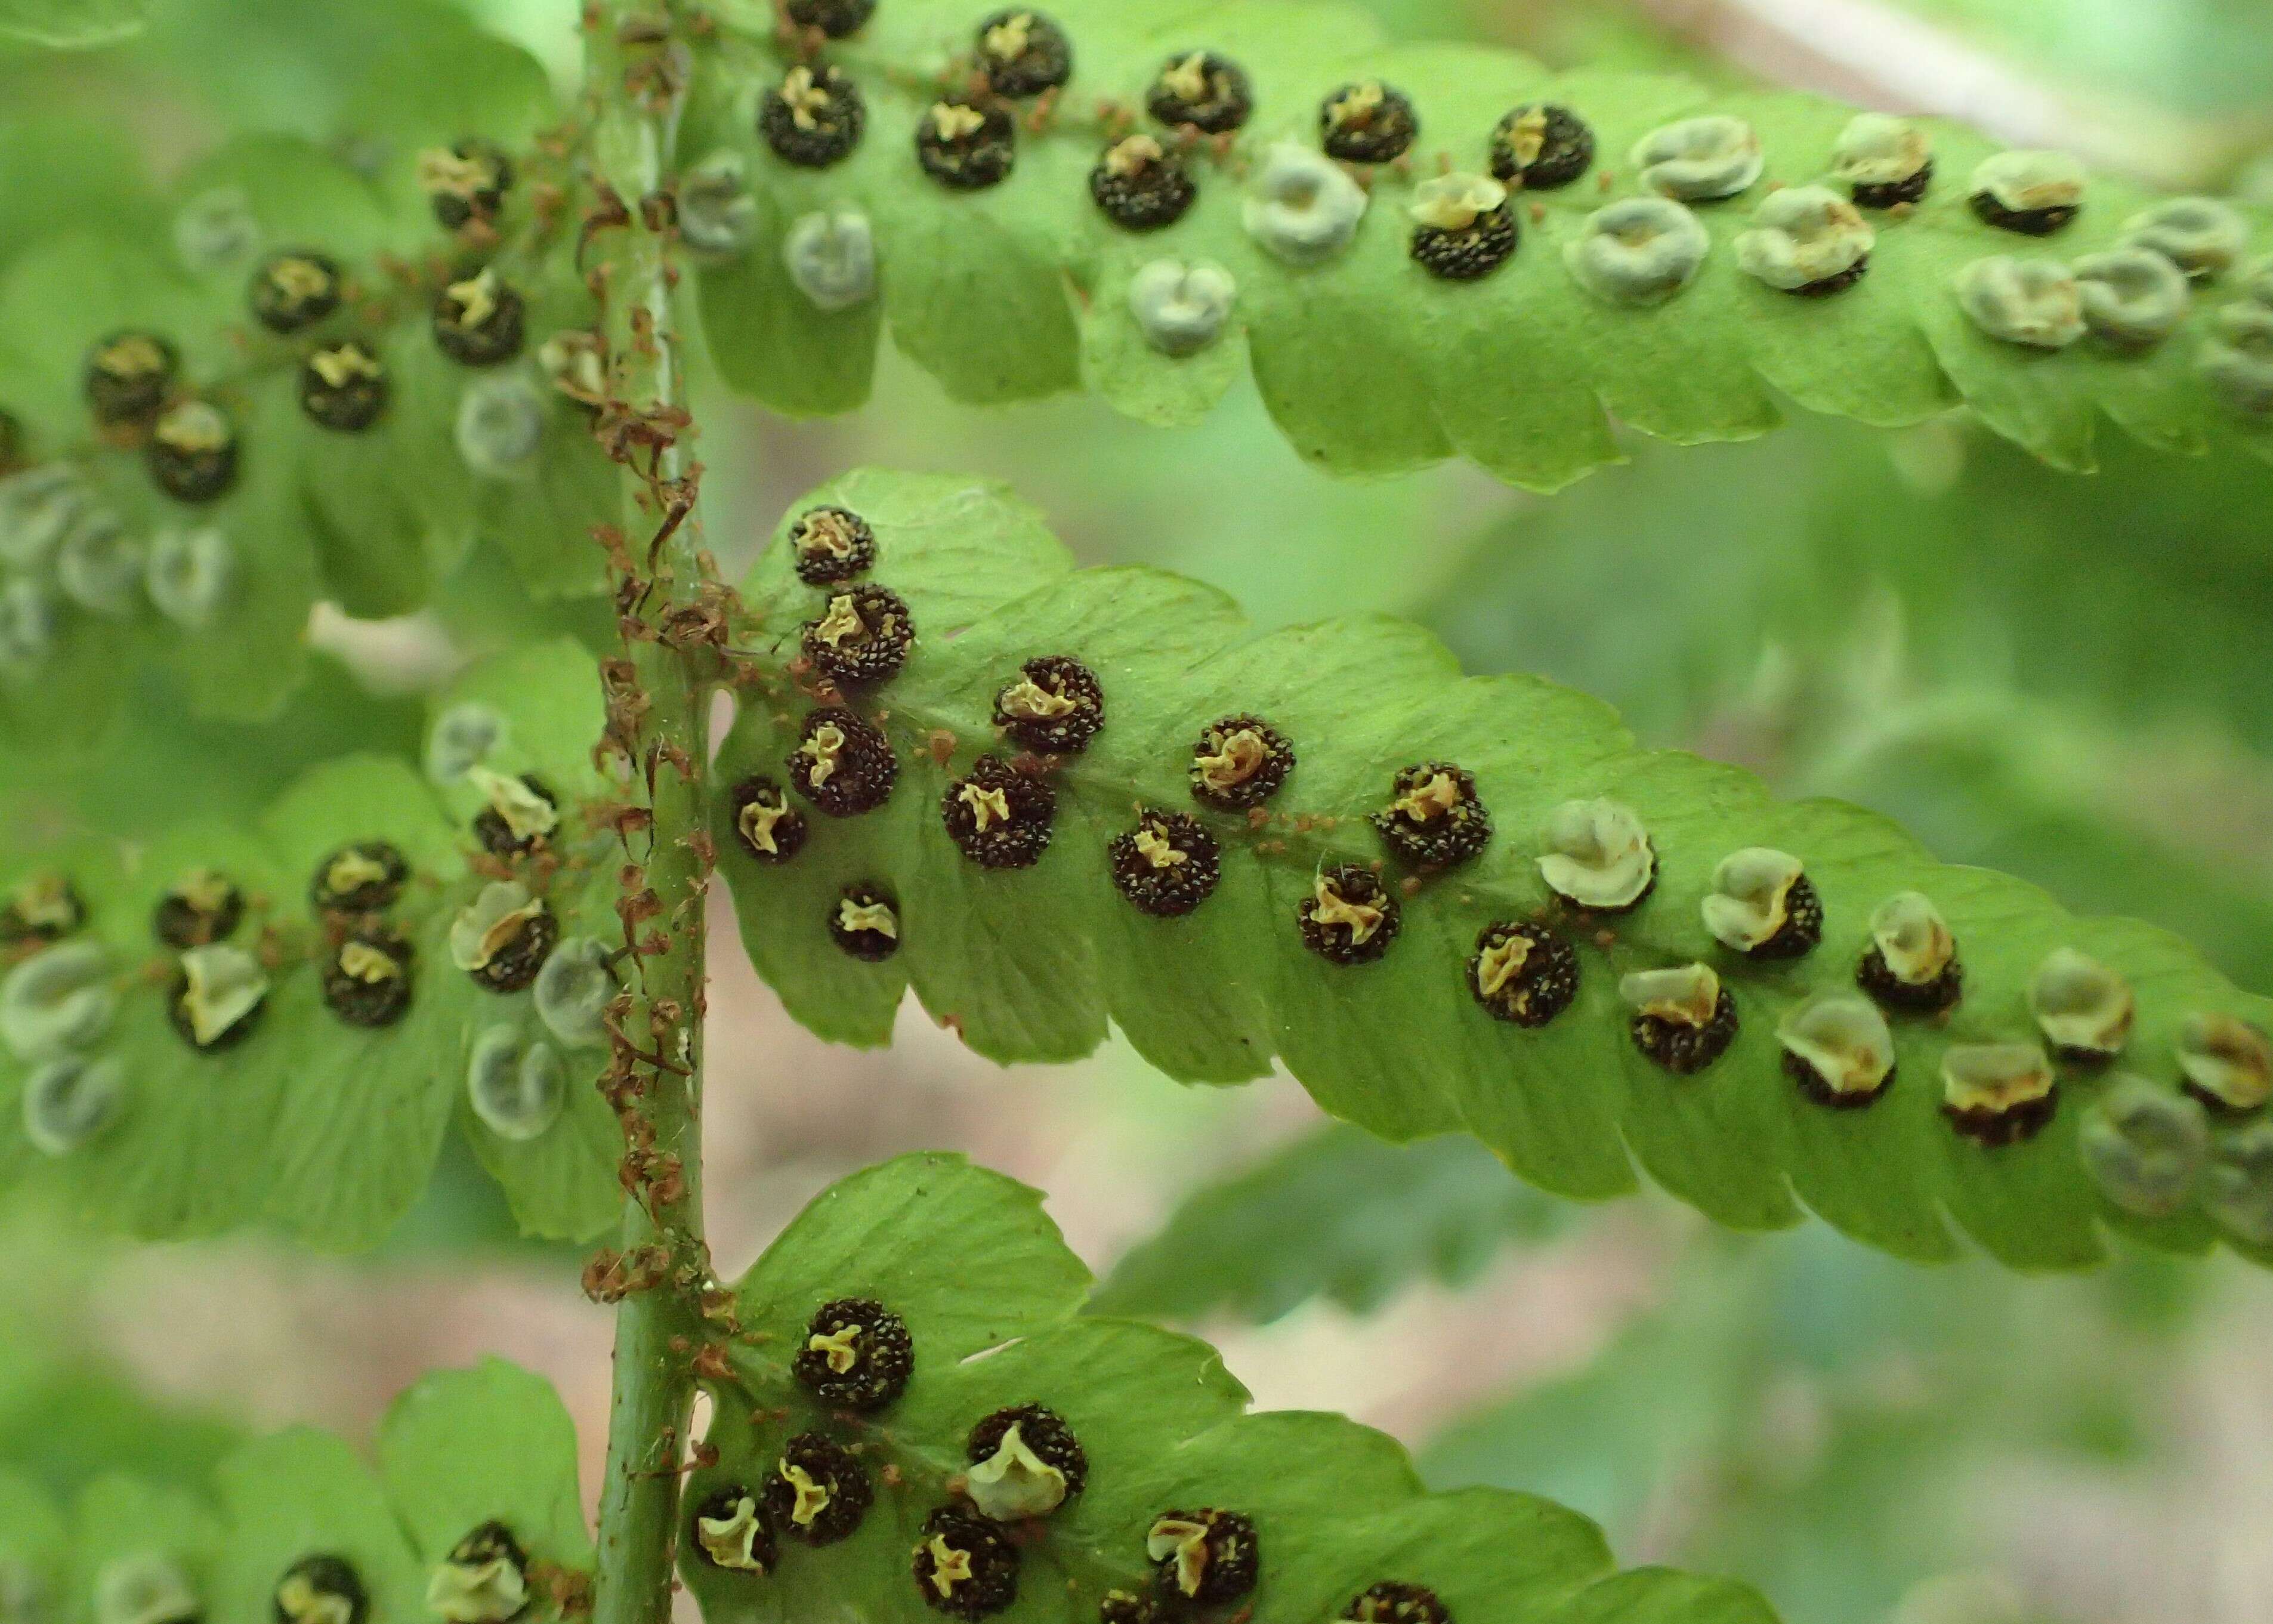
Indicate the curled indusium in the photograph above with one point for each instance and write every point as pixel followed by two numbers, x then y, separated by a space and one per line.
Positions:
pixel 830 256
pixel 1996 1093
pixel 1142 185
pixel 1640 251
pixel 485 1579
pixel 817 1491
pixel 145 1588
pixel 1807 240
pixel 1883 160
pixel 732 1532
pixel 1055 707
pixel 1699 160
pixel 1206 1556
pixel 1838 1049
pixel 45 907
pixel 2032 302
pixel 1001 818
pixel 574 990
pixel 717 215
pixel 2238 1191
pixel 814 117
pixel 294 289
pixel 217 995
pixel 2085 1009
pixel 967 146
pixel 1181 309
pixel 1598 856
pixel 843 763
pixel 518 815
pixel 2144 1146
pixel 767 827
pixel 1209 93
pixel 517 1090
pixel 70 1102
pixel 1684 1018
pixel 2237 358
pixel 966 1566
pixel 320 1589
pixel 1349 918
pixel 1167 865
pixel 503 938
pixel 466 181
pixel 1239 763
pixel 359 878
pixel 343 386
pixel 192 452
pixel 1911 965
pixel 1434 819
pixel 1542 146
pixel 367 979
pixel 2203 237
pixel 193 575
pixel 864 636
pixel 1303 208
pixel 1024 53
pixel 856 1355
pixel 57 1001
pixel 828 544
pixel 1464 226
pixel 1026 1462
pixel 479 322
pixel 1367 123
pixel 1524 974
pixel 2132 296
pixel 1762 904
pixel 2227 1062
pixel 2033 192
pixel 129 375
pixel 501 426
pixel 201 906
pixel 864 923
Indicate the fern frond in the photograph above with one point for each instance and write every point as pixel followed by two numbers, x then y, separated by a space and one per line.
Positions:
pixel 1030 962
pixel 320 1107
pixel 1369 362
pixel 1139 1424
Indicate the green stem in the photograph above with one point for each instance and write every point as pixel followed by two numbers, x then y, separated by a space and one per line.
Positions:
pixel 657 706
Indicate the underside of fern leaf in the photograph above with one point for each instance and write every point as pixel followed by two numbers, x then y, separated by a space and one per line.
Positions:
pixel 1369 361
pixel 1994 1123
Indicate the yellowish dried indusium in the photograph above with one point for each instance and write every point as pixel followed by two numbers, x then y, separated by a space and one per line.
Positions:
pixel 732 1541
pixel 484 1587
pixel 826 749
pixel 1838 1049
pixel 2085 1009
pixel 1758 894
pixel 2031 302
pixel 1699 160
pixel 1912 938
pixel 759 818
pixel 1806 239
pixel 220 986
pixel 1598 856
pixel 1638 251
pixel 1878 155
pixel 1014 1482
pixel 1185 1541
pixel 491 923
pixel 839 1348
pixel 809 1497
pixel 526 814
pixel 1331 908
pixel 1997 1093
pixel 1454 202
pixel 2133 297
pixel 2227 1061
pixel 2030 183
pixel 1685 995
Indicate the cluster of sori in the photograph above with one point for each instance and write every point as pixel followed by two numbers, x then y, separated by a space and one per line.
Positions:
pixel 1598 865
pixel 1307 201
pixel 226 947
pixel 68 543
pixel 1015 1467
pixel 486 1578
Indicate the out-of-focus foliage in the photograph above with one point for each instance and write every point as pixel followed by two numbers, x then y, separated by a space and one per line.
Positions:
pixel 1337 1214
pixel 1835 1428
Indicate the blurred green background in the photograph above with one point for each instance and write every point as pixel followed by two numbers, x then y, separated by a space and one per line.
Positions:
pixel 2070 679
